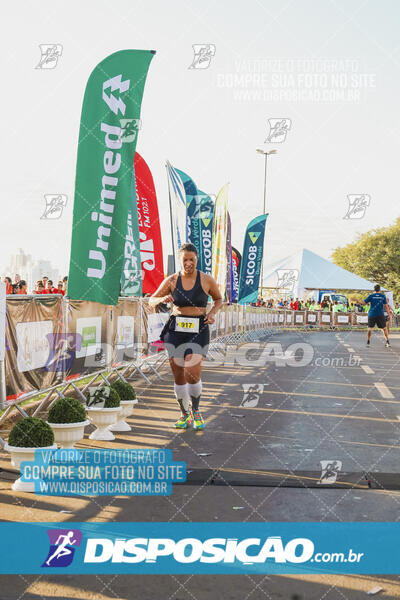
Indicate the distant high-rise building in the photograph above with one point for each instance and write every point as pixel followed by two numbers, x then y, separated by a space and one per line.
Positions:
pixel 30 270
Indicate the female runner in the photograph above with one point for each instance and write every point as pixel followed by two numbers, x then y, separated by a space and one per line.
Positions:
pixel 186 334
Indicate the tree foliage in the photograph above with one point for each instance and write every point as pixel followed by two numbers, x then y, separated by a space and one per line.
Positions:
pixel 374 255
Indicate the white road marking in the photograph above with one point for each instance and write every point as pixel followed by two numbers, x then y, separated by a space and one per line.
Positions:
pixel 383 390
pixel 351 349
pixel 367 369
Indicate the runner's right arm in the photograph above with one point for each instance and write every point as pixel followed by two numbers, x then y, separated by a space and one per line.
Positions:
pixel 163 294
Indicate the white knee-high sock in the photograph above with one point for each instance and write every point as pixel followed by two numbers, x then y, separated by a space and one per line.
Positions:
pixel 195 390
pixel 182 395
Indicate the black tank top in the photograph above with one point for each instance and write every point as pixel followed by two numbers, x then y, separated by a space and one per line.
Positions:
pixel 194 297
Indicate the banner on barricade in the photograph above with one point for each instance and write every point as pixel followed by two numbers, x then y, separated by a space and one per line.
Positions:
pixel 104 186
pixel 253 247
pixel 35 344
pixel 87 322
pixel 125 330
pixel 151 252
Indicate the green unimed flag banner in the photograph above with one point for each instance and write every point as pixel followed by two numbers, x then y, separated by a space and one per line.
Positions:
pixel 253 247
pixel 220 232
pixel 103 234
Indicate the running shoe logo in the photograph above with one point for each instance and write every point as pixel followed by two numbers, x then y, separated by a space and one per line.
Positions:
pixel 63 543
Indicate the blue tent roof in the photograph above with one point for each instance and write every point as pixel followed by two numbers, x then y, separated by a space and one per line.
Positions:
pixel 314 272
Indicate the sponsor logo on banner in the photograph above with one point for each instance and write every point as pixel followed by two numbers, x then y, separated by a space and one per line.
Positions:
pixel 89 328
pixel 358 204
pixel 125 331
pixel 206 212
pixel 63 543
pixel 33 344
pixel 131 281
pixel 151 254
pixel 203 53
pixel 278 129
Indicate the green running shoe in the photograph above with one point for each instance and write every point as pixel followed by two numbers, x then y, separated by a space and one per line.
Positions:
pixel 184 421
pixel 198 422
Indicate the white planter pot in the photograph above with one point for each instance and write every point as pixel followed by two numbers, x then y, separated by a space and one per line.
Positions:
pixel 19 455
pixel 102 418
pixel 68 434
pixel 126 411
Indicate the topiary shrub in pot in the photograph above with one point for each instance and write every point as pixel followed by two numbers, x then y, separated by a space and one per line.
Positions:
pixel 124 390
pixel 128 401
pixel 25 437
pixel 103 408
pixel 67 418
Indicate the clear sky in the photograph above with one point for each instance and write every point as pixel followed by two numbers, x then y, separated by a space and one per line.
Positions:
pixel 333 66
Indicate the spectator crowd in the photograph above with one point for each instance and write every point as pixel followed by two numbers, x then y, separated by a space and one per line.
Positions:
pixel 43 286
pixel 325 305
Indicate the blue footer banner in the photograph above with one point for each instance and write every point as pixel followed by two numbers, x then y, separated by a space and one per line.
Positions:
pixel 219 548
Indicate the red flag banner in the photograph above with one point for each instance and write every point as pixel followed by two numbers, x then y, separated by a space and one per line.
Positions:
pixel 151 254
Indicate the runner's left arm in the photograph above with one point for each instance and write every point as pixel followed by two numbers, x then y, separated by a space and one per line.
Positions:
pixel 216 296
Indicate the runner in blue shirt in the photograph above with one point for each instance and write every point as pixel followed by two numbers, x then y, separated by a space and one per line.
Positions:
pixel 376 314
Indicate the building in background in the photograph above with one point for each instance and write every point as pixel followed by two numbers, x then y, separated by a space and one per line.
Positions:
pixel 30 270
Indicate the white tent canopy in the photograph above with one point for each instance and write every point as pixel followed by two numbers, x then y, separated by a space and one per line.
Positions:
pixel 307 270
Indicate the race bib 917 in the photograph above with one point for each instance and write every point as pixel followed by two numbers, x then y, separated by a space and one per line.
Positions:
pixel 187 324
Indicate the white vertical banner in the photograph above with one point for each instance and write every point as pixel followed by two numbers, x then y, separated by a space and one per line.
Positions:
pixel 177 202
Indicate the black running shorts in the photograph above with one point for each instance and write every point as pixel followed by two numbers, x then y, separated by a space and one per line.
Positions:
pixel 379 320
pixel 180 344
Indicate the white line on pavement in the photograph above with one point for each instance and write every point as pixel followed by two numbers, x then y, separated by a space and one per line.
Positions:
pixel 383 390
pixel 367 369
pixel 351 349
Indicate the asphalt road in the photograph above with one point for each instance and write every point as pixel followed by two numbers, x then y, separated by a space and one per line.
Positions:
pixel 300 427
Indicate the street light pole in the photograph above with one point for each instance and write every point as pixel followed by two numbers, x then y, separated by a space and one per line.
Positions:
pixel 266 154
